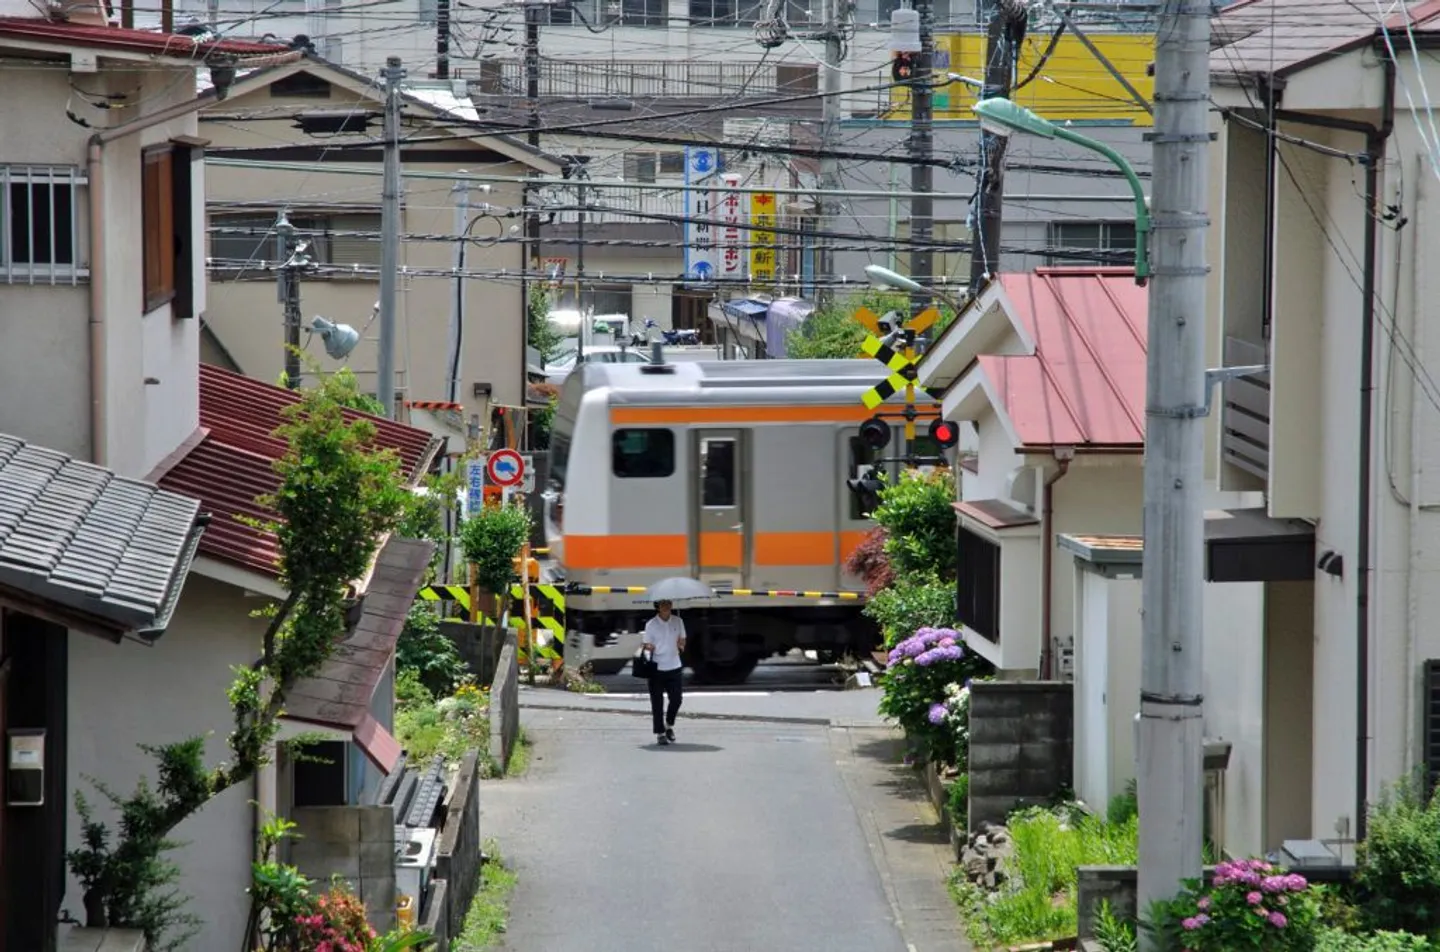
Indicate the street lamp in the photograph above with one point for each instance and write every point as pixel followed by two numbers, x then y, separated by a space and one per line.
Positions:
pixel 1002 117
pixel 886 279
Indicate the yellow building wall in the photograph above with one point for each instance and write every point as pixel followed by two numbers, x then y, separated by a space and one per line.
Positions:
pixel 1073 85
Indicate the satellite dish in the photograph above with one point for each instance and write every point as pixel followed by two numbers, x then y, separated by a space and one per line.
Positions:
pixel 339 339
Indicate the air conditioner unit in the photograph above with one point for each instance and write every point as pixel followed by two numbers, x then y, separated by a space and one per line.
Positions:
pixel 414 863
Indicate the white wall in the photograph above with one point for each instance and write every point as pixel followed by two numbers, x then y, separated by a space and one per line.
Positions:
pixel 129 694
pixel 997 459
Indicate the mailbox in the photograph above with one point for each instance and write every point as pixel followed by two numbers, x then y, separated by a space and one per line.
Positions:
pixel 25 760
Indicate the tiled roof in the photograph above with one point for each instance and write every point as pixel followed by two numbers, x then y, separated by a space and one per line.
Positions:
pixel 1280 36
pixel 77 536
pixel 170 45
pixel 233 463
pixel 1084 385
pixel 339 696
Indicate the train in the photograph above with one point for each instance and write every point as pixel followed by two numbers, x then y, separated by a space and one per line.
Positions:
pixel 736 473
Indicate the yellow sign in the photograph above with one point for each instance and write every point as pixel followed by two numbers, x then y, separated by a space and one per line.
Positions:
pixel 762 237
pixel 1072 84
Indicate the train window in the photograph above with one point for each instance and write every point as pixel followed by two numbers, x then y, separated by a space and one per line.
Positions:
pixel 718 460
pixel 559 459
pixel 643 453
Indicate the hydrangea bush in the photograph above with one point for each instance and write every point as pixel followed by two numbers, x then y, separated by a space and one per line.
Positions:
pixel 925 687
pixel 1250 904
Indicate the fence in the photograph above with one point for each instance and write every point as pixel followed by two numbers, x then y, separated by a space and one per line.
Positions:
pixel 355 843
pixel 457 861
pixel 505 703
pixel 631 79
pixel 1021 743
pixel 479 646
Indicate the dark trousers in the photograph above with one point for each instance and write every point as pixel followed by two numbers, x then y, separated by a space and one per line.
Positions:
pixel 665 684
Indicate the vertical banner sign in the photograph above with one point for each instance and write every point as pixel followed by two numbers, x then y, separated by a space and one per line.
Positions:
pixel 699 214
pixel 729 217
pixel 762 237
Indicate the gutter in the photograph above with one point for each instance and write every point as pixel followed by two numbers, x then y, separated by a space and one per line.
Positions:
pixel 1375 139
pixel 1063 456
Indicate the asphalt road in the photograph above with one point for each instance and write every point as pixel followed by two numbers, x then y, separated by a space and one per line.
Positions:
pixel 746 835
pixel 793 672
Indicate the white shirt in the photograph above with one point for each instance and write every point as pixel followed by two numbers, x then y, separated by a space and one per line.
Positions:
pixel 665 636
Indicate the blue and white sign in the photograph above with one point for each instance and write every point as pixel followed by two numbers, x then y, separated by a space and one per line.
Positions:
pixel 475 486
pixel 701 164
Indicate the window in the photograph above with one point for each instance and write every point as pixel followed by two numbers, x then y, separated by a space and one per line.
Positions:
pixel 158 220
pixel 717 460
pixel 239 242
pixel 632 12
pixel 672 163
pixel 724 12
pixel 796 80
pixel 977 602
pixel 1102 236
pixel 40 210
pixel 304 85
pixel 319 776
pixel 559 459
pixel 643 453
pixel 640 166
pixel 599 300
pixel 862 456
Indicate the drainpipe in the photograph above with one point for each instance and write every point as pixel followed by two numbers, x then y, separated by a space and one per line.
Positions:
pixel 1063 456
pixel 1418 286
pixel 1375 139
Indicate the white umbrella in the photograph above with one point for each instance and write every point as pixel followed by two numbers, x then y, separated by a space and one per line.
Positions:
pixel 679 589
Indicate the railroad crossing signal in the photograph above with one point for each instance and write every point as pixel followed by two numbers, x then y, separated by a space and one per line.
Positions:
pixel 902 364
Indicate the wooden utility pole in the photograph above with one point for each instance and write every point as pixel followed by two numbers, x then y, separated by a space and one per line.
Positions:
pixel 1002 49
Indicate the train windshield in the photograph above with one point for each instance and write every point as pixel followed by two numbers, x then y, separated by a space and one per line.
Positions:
pixel 563 429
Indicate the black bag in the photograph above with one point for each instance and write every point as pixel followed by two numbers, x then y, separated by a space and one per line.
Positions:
pixel 644 664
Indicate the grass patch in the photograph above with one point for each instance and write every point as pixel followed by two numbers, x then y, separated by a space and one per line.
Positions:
pixel 1038 900
pixel 520 756
pixel 488 916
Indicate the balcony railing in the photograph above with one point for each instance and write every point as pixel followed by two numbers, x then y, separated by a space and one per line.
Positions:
pixel 1245 416
pixel 641 79
pixel 607 205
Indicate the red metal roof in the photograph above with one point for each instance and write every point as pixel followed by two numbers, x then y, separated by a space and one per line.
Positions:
pixel 1084 385
pixel 233 463
pixel 339 695
pixel 128 40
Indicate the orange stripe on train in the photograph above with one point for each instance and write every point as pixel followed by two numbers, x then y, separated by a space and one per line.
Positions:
pixel 792 549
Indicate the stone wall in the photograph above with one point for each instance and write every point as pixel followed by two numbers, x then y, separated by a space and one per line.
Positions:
pixel 479 646
pixel 436 921
pixel 505 703
pixel 1021 741
pixel 357 844
pixel 457 864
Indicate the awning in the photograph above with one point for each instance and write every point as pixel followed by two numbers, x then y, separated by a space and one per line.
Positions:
pixel 1248 545
pixel 339 696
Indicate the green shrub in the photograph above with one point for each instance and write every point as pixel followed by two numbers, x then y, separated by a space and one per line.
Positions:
pixel 426 650
pixel 1038 900
pixel 1398 865
pixel 1249 904
pixel 1336 940
pixel 1113 933
pixel 910 604
pixel 957 802
pixel 492 538
pixel 1124 806
pixel 924 689
pixel 918 516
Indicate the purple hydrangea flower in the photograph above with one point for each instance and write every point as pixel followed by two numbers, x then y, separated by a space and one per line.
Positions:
pixel 937 713
pixel 1277 920
pixel 1191 924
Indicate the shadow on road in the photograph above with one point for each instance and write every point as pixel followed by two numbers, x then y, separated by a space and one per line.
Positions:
pixel 932 833
pixel 683 748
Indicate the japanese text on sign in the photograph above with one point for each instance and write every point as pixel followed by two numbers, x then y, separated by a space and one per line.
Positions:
pixel 762 236
pixel 730 217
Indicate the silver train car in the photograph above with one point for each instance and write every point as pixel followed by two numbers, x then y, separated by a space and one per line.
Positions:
pixel 730 472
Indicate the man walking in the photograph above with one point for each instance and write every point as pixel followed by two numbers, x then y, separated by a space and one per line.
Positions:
pixel 665 640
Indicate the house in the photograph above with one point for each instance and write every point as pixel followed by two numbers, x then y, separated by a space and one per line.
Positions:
pixel 304 137
pixel 100 278
pixel 1321 204
pixel 91 565
pixel 1048 371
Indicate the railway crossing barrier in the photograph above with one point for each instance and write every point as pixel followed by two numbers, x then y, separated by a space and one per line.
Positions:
pixel 547 604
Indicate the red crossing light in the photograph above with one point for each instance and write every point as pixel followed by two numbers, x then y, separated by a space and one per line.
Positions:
pixel 945 433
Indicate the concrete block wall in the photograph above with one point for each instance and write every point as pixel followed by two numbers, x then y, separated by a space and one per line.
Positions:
pixel 436 921
pixel 505 703
pixel 1021 742
pixel 479 645
pixel 355 844
pixel 457 861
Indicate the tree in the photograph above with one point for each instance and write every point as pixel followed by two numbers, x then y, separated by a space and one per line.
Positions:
pixel 492 539
pixel 337 498
pixel 832 331
pixel 543 335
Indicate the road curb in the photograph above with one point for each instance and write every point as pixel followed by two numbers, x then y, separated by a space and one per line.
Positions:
pixel 697 716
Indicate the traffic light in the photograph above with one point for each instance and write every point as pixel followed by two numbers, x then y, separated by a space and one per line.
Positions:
pixel 944 433
pixel 875 433
pixel 902 67
pixel 867 486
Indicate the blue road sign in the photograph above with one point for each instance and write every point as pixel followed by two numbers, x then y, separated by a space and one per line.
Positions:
pixel 475 483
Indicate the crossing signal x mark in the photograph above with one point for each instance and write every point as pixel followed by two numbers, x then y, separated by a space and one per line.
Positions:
pixel 902 374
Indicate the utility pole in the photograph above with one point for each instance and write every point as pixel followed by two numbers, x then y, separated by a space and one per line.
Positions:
pixel 288 293
pixel 442 39
pixel 837 12
pixel 1171 755
pixel 390 234
pixel 457 301
pixel 1002 46
pixel 580 263
pixel 922 206
pixel 532 221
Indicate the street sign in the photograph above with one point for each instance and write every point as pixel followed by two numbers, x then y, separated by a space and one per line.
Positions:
pixel 505 468
pixel 475 486
pixel 700 257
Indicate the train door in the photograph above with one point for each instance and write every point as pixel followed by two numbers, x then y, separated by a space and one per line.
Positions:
pixel 721 544
pixel 855 459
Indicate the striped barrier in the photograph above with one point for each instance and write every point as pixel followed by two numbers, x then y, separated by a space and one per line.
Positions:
pixel 547 604
pixel 576 589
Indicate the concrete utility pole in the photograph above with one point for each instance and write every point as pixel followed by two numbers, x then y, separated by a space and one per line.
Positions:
pixel 442 39
pixel 837 13
pixel 389 234
pixel 533 9
pixel 457 301
pixel 1002 47
pixel 288 294
pixel 922 206
pixel 580 264
pixel 1171 756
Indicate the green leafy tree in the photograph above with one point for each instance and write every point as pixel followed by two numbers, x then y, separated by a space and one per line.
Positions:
pixel 424 649
pixel 492 539
pixel 1398 865
pixel 832 332
pixel 337 498
pixel 543 335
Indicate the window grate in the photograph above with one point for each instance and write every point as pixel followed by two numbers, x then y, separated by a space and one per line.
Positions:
pixel 1432 724
pixel 40 240
pixel 977 601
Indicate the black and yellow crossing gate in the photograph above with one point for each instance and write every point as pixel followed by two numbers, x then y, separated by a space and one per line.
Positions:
pixel 547 605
